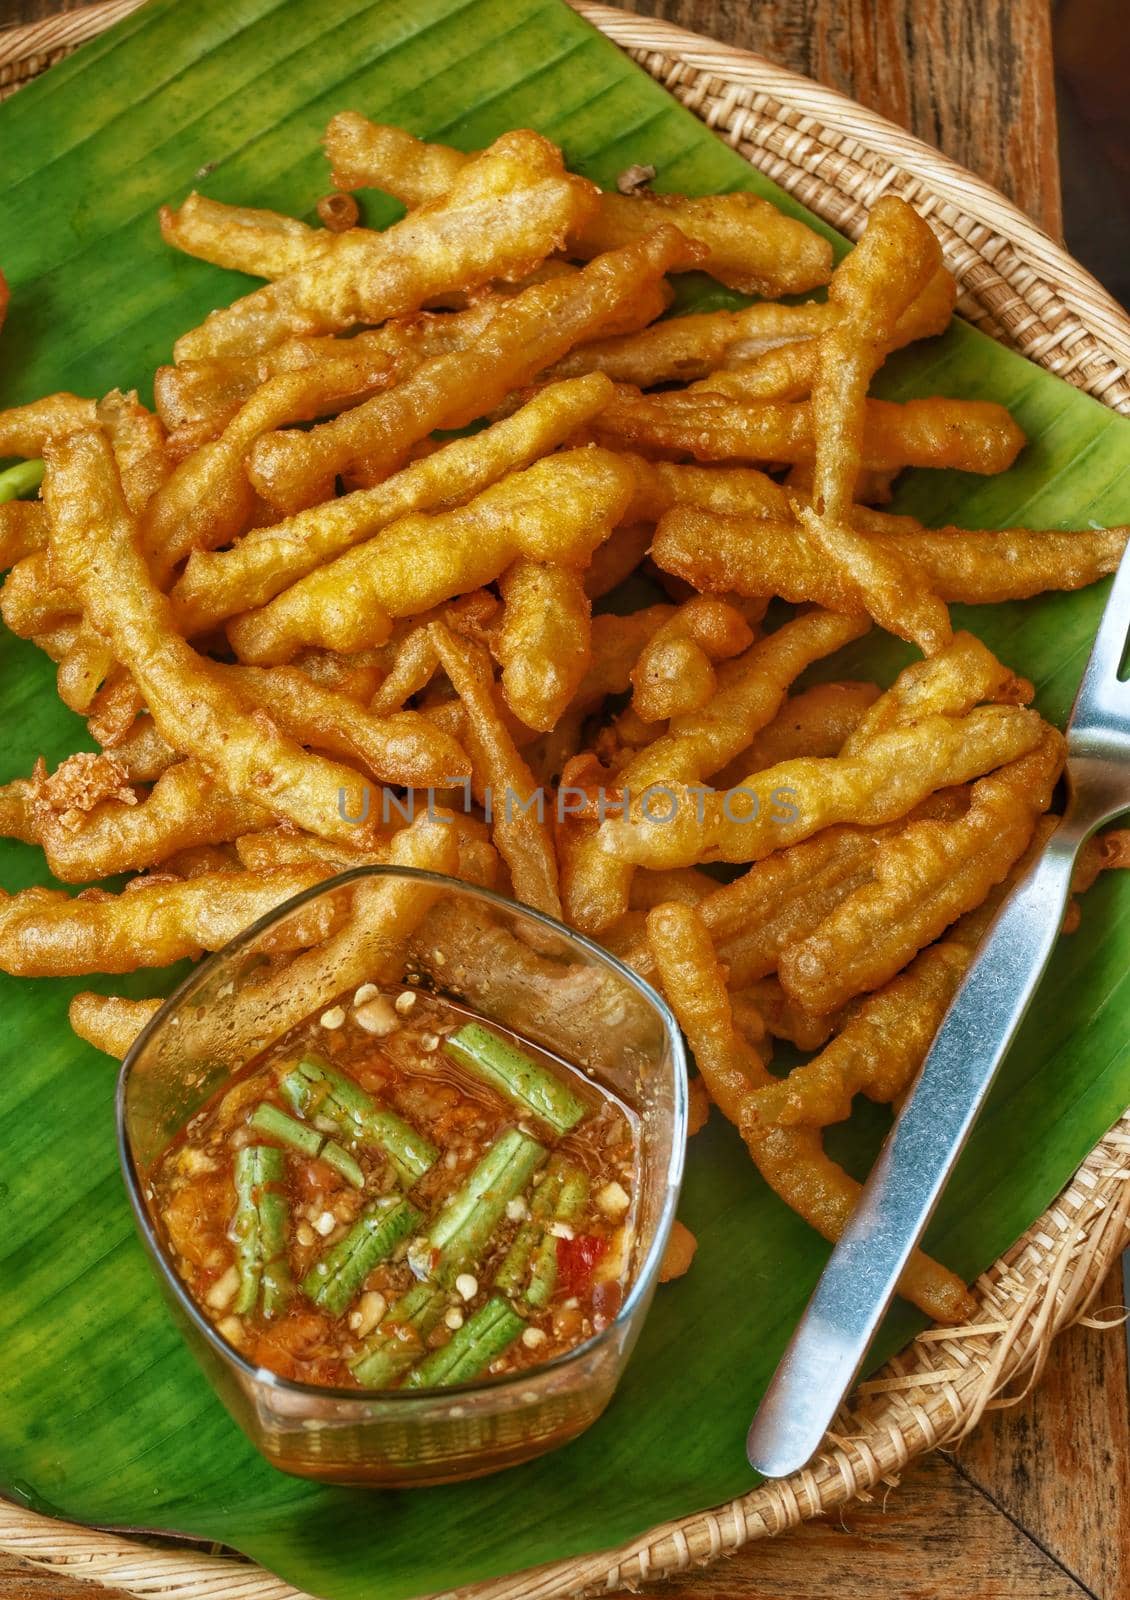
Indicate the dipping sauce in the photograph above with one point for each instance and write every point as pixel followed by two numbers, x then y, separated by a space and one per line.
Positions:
pixel 400 1194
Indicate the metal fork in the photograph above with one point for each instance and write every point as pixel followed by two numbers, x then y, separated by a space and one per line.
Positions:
pixel 859 1281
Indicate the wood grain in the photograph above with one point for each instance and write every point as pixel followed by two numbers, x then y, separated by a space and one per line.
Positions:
pixel 19 1581
pixel 975 79
pixel 1057 1462
pixel 14 11
pixel 936 1535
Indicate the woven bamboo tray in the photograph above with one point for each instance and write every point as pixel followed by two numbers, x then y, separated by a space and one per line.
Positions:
pixel 1017 284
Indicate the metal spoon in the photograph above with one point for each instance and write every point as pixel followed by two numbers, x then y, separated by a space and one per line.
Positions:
pixel 856 1287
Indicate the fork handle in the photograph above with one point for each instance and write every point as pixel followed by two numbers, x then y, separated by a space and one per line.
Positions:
pixel 848 1304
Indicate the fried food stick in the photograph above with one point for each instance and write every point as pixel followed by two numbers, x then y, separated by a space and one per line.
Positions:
pixel 675 674
pixel 184 809
pixel 504 214
pixel 750 245
pixel 814 722
pixel 597 880
pixel 46 933
pixel 767 556
pixel 544 641
pixel 94 542
pixel 292 468
pixel 109 1022
pixel 789 371
pixel 923 880
pixel 971 435
pixel 219 584
pixel 789 802
pixel 886 1037
pixel 792 1160
pixel 522 830
pixel 875 284
pixel 558 509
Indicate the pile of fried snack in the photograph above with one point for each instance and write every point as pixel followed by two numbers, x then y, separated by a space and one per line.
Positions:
pixel 283 597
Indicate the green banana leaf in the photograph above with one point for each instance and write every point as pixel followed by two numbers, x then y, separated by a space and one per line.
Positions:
pixel 106 1417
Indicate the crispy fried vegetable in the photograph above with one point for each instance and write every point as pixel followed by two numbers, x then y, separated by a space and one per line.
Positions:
pixel 109 1022
pixel 815 722
pixel 674 674
pixel 23 530
pixel 1103 852
pixel 31 602
pixel 509 209
pixel 219 584
pixel 185 808
pixel 559 509
pixel 872 287
pixel 375 155
pixel 924 878
pixel 783 897
pixel 143 755
pixel 48 933
pixel 197 399
pixel 292 469
pixel 730 491
pixel 616 645
pixel 949 684
pixel 767 556
pixel 404 748
pixel 140 450
pixel 887 1035
pixel 543 643
pixel 208 500
pixel 780 1017
pixel 25 430
pixel 596 878
pixel 783 804
pixel 749 244
pixel 971 435
pixel 264 244
pixel 680 1252
pixel 683 349
pixel 788 371
pixel 94 543
pixel 517 809
pixel 791 1160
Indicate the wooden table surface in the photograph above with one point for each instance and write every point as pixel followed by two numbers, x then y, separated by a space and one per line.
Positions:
pixel 1037 1503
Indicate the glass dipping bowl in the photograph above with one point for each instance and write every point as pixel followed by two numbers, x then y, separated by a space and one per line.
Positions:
pixel 512 966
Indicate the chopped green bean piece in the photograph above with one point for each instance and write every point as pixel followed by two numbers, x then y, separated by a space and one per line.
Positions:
pixel 471 1349
pixel 399 1337
pixel 260 1230
pixel 336 1279
pixel 571 1200
pixel 525 1083
pixel 314 1088
pixel 461 1232
pixel 334 1156
pixel 512 1273
pixel 268 1119
pixel 276 1124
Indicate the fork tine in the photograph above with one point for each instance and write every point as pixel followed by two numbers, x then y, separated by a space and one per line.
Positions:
pixel 1100 678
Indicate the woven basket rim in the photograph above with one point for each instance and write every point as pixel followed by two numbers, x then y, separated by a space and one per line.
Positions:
pixel 1023 287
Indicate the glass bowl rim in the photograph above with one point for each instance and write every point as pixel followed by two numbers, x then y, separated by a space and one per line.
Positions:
pixel 646 1277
